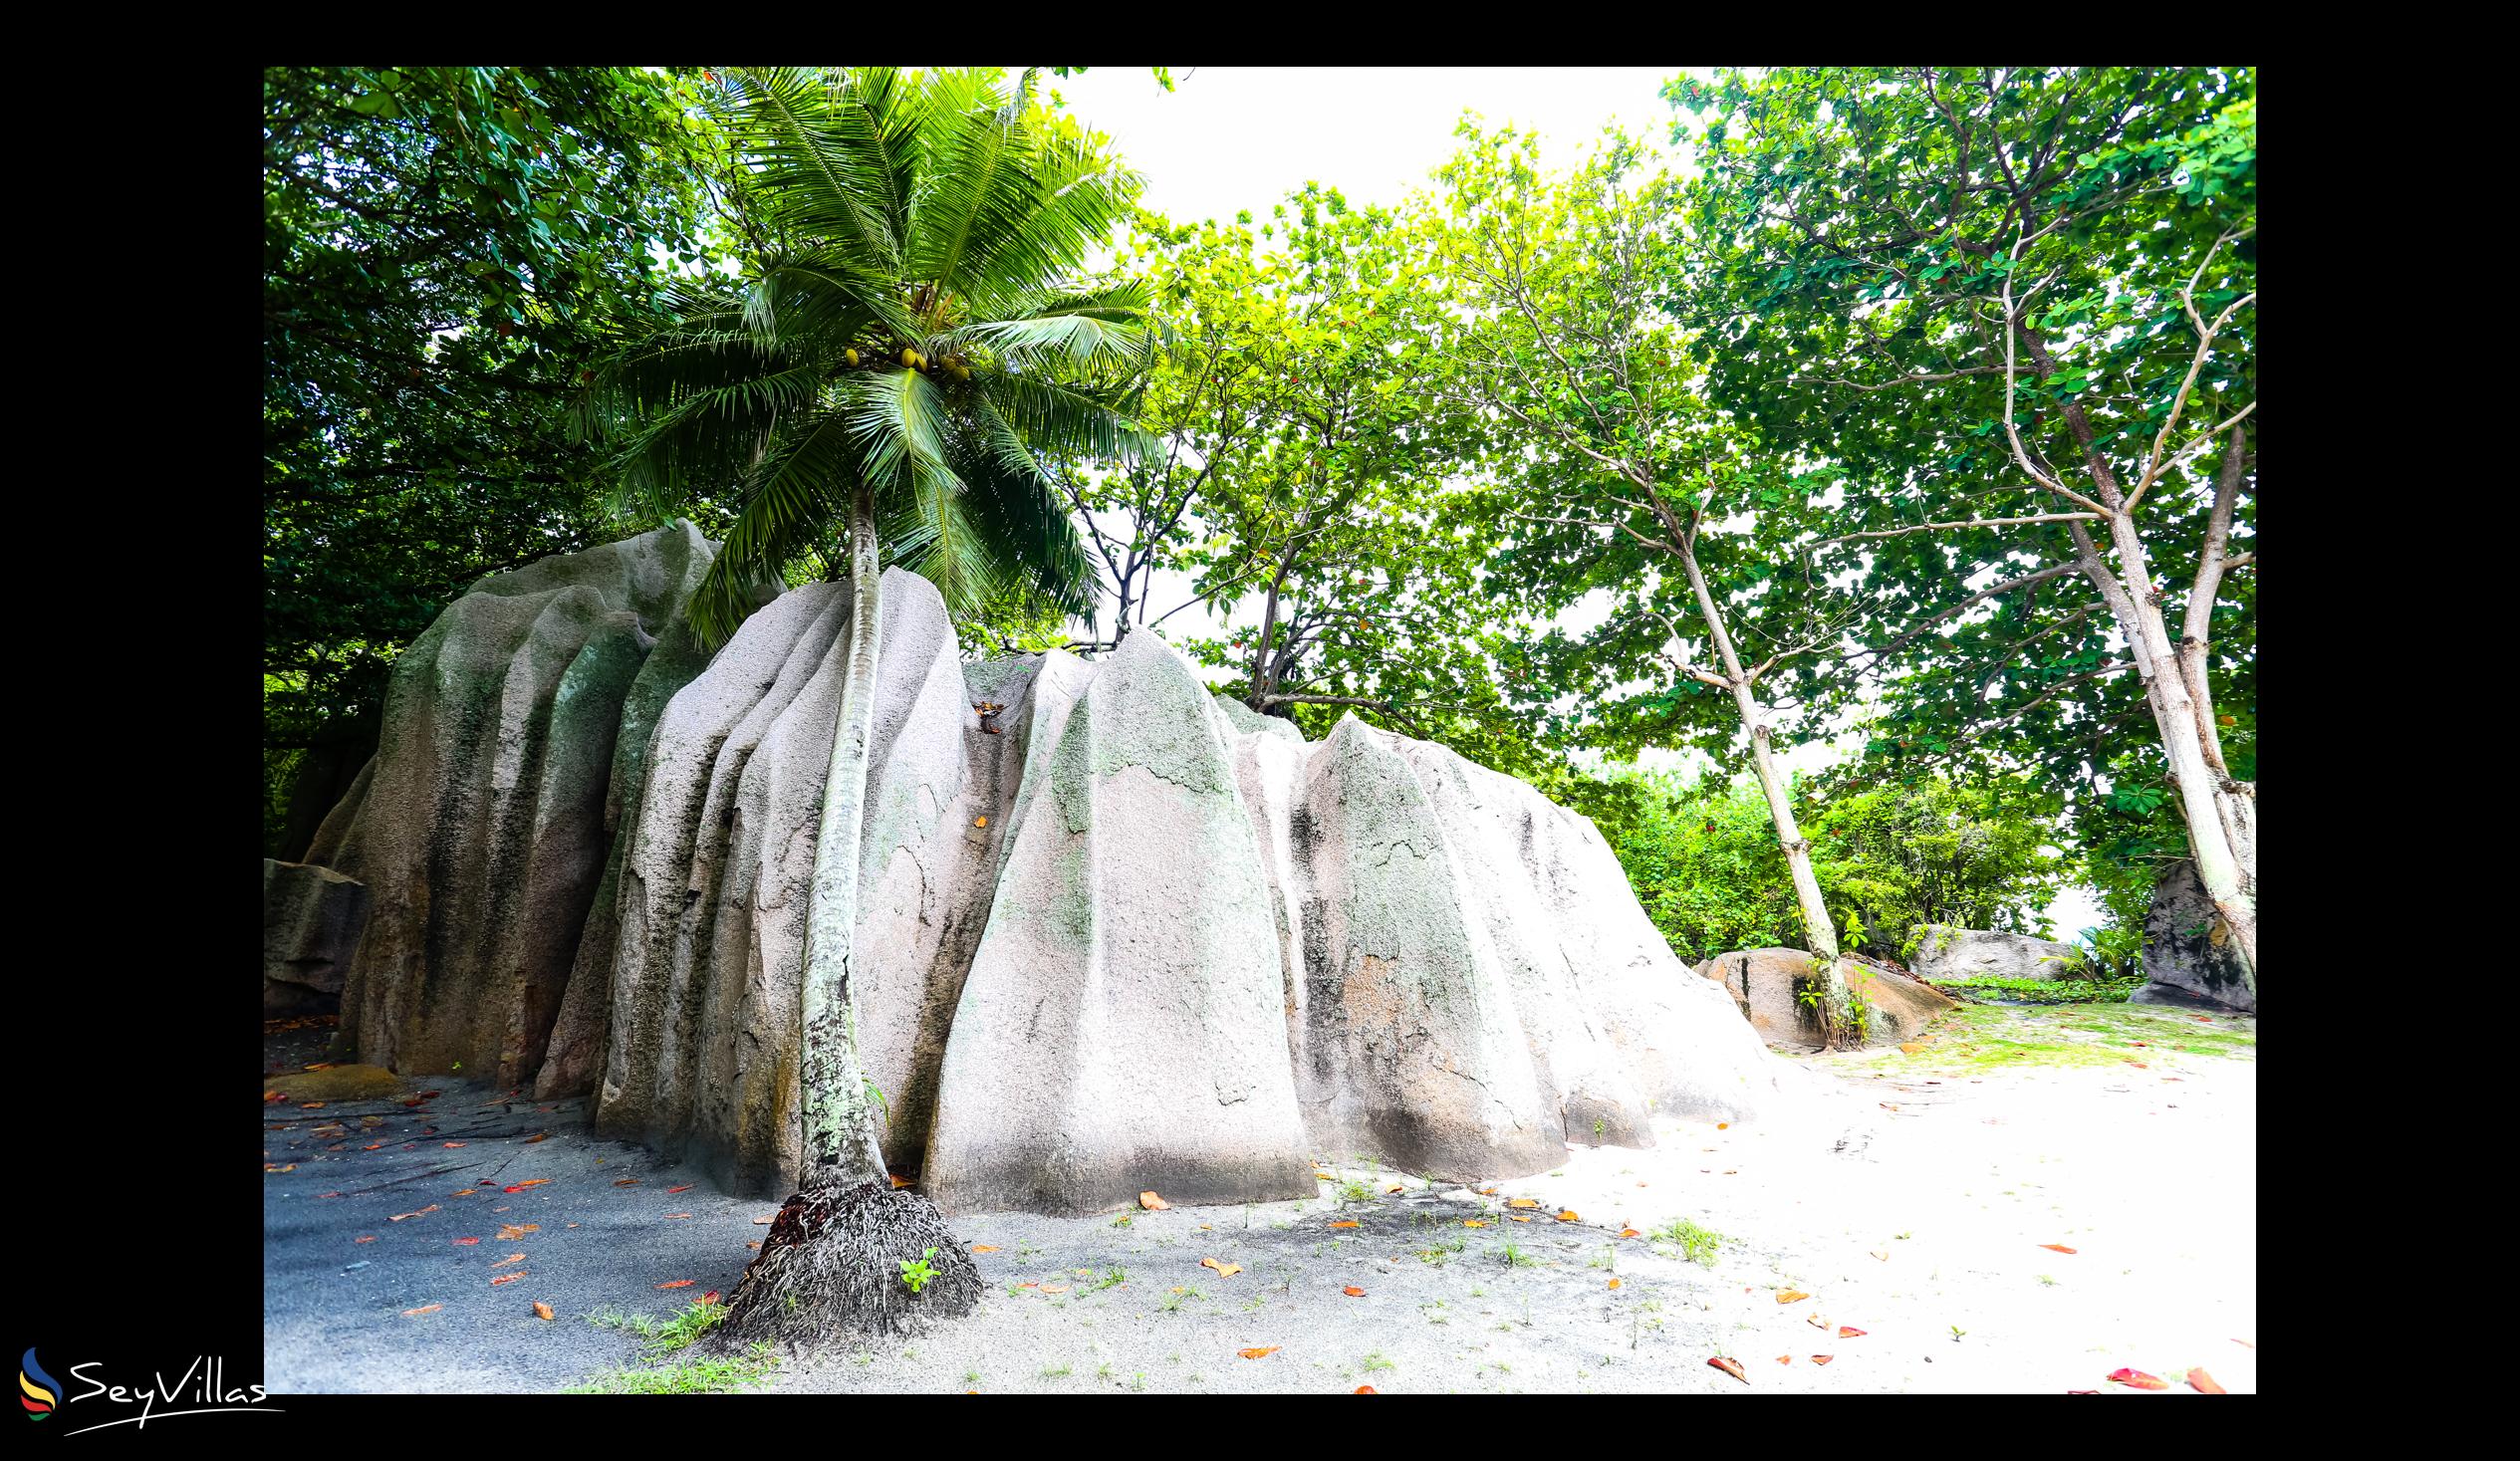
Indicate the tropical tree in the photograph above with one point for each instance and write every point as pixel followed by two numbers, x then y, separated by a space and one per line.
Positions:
pixel 897 366
pixel 2016 304
pixel 1616 476
pixel 443 250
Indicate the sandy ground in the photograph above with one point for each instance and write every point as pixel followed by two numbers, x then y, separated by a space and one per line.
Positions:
pixel 1910 1199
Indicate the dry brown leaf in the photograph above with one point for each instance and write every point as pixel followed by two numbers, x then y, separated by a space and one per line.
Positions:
pixel 1846 1332
pixel 1881 1253
pixel 1522 1202
pixel 1815 1321
pixel 1151 1203
pixel 1261 1354
pixel 1791 1296
pixel 545 1136
pixel 898 1179
pixel 1568 1216
pixel 1053 1288
pixel 1822 1358
pixel 1394 1187
pixel 1731 1368
pixel 1629 1233
pixel 1223 1269
pixel 627 1182
pixel 543 1312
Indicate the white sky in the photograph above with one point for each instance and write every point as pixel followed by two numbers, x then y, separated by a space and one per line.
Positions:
pixel 1230 138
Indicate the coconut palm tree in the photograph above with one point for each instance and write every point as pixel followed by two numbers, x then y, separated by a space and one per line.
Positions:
pixel 904 355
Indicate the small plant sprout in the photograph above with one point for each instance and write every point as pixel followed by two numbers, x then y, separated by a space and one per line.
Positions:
pixel 916 1272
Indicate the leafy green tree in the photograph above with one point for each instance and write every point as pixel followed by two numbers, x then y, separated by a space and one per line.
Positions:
pixel 1616 478
pixel 2016 307
pixel 1704 861
pixel 900 356
pixel 441 248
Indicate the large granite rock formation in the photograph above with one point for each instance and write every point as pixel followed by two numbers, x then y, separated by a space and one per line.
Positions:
pixel 311 922
pixel 1946 952
pixel 1115 933
pixel 479 827
pixel 2189 955
pixel 1765 988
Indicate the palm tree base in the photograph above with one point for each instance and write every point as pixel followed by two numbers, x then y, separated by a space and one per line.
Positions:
pixel 831 1271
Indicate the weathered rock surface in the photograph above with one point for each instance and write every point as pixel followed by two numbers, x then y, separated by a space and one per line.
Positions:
pixel 311 922
pixel 1945 952
pixel 2189 955
pixel 1763 986
pixel 479 828
pixel 1114 933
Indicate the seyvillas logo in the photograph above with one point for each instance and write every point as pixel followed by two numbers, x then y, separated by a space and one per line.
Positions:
pixel 39 1393
pixel 202 1389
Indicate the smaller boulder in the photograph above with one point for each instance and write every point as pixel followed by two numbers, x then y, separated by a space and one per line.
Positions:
pixel 1766 984
pixel 1944 952
pixel 312 918
pixel 2189 955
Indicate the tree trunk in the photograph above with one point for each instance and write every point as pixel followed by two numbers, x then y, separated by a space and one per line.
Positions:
pixel 839 1135
pixel 2202 793
pixel 1835 1001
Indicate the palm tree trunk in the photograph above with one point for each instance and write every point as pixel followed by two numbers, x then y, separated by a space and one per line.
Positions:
pixel 840 1133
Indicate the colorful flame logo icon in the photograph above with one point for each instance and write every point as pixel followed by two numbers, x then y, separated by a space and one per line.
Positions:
pixel 41 1391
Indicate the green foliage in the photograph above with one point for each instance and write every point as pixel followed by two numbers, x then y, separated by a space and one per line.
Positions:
pixel 443 248
pixel 911 319
pixel 1700 1245
pixel 1705 862
pixel 916 1272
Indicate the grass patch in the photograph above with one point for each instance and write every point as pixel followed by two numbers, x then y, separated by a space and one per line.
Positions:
pixel 1699 1245
pixel 668 1336
pixel 2101 991
pixel 713 1376
pixel 1984 1037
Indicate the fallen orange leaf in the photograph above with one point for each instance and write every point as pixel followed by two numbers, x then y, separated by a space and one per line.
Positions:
pixel 423 1308
pixel 898 1179
pixel 1568 1216
pixel 507 1278
pixel 1223 1269
pixel 1522 1202
pixel 423 1212
pixel 1815 1321
pixel 510 1232
pixel 670 1217
pixel 1151 1203
pixel 1846 1332
pixel 541 1310
pixel 677 1284
pixel 1521 1218
pixel 1723 1126
pixel 1353 1291
pixel 1822 1358
pixel 1258 1354
pixel 1629 1233
pixel 370 1238
pixel 1347 1224
pixel 1487 1192
pixel 2138 1380
pixel 530 1141
pixel 1614 1283
pixel 1731 1368
pixel 2203 1383
pixel 685 1187
pixel 1791 1296
pixel 459 1242
pixel 2056 1247
pixel 984 1248
pixel 1784 1359
pixel 627 1182
pixel 1365 1390
pixel 1394 1187
pixel 453 1143
pixel 1053 1288
pixel 511 1258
